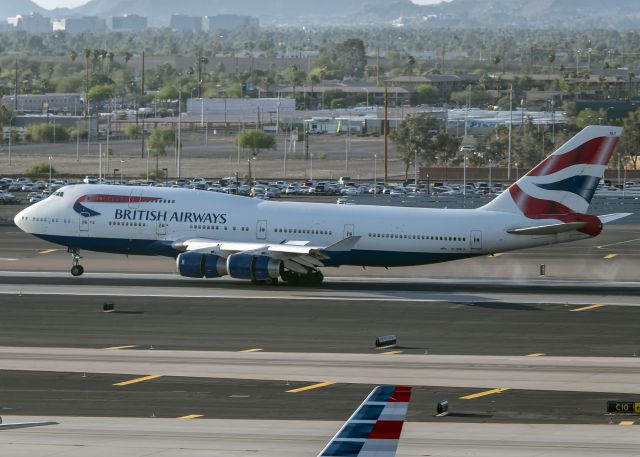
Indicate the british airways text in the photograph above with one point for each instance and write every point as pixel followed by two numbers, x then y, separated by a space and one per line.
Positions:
pixel 167 216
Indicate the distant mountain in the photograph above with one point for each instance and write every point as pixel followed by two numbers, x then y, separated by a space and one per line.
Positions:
pixel 269 12
pixel 15 7
pixel 575 14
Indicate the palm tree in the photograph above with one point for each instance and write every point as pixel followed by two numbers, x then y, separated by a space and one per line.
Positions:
pixel 73 55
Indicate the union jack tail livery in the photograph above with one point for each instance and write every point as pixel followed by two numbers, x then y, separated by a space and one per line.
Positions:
pixel 374 429
pixel 561 186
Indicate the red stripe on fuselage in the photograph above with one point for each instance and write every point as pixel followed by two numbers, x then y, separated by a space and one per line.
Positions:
pixel 596 151
pixel 106 198
pixel 386 430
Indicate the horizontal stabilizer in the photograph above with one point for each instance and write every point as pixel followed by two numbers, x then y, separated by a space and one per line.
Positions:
pixel 13 425
pixel 605 219
pixel 550 229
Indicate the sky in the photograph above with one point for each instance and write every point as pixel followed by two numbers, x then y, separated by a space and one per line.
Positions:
pixel 50 4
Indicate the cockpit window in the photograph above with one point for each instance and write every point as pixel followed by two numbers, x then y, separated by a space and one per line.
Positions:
pixel 59 194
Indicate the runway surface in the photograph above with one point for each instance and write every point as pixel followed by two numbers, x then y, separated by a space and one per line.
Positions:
pixel 526 362
pixel 100 437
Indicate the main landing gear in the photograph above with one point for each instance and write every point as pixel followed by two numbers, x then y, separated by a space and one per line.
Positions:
pixel 312 279
pixel 76 268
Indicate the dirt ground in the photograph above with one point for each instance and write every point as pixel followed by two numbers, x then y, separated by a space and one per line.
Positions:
pixel 213 157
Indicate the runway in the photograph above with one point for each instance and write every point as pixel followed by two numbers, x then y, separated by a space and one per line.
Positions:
pixel 223 438
pixel 527 362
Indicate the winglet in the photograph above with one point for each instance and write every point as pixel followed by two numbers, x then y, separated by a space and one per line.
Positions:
pixel 375 427
pixel 346 244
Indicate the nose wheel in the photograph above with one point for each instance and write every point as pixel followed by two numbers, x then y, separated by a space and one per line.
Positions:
pixel 76 268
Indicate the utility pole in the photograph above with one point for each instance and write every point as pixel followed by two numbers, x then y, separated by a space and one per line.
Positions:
pixel 179 148
pixel 510 129
pixel 386 134
pixel 143 114
pixel 16 82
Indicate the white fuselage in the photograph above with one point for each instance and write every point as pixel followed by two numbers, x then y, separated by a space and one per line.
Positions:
pixel 150 220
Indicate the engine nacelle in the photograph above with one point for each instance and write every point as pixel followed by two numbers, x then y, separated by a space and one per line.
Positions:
pixel 198 265
pixel 246 266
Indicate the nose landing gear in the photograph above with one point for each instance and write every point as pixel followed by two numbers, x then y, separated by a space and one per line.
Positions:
pixel 76 268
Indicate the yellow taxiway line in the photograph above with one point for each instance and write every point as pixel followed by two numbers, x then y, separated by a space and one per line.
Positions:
pixel 627 422
pixel 391 352
pixel 191 416
pixel 48 251
pixel 586 308
pixel 134 381
pixel 252 350
pixel 313 386
pixel 536 354
pixel 610 256
pixel 482 394
pixel 115 348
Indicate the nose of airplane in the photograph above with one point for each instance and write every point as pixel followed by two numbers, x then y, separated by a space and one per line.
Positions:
pixel 19 219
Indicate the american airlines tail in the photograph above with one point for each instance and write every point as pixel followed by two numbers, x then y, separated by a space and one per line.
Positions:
pixel 561 186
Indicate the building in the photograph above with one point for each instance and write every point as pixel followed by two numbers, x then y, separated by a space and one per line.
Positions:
pixel 446 84
pixel 81 24
pixel 127 23
pixel 229 22
pixel 31 23
pixel 43 103
pixel 185 23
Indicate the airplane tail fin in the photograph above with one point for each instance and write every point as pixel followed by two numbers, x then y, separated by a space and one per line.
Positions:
pixel 375 427
pixel 563 183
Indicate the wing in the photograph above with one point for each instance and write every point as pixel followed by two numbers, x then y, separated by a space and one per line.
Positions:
pixel 374 429
pixel 296 255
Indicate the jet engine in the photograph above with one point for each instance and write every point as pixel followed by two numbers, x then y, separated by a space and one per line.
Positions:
pixel 255 268
pixel 198 265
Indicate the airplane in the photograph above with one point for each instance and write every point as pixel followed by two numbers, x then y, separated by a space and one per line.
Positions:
pixel 213 234
pixel 13 425
pixel 374 428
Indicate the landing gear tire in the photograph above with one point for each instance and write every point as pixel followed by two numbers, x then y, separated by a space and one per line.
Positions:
pixel 76 268
pixel 265 282
pixel 311 279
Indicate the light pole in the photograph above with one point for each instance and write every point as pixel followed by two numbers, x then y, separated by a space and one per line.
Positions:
pixel 490 174
pixel 50 172
pixel 121 170
pixel 10 135
pixel 375 174
pixel 166 176
pixel 115 170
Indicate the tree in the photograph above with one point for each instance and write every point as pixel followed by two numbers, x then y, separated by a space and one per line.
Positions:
pixel 132 131
pixel 589 116
pixel 158 142
pixel 414 139
pixel 256 141
pixel 426 94
pixel 629 146
pixel 100 93
pixel 350 58
pixel 40 169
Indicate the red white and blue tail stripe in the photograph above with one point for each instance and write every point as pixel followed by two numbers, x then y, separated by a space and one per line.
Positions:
pixel 561 186
pixel 374 429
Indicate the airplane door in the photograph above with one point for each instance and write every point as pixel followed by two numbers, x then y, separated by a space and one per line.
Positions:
pixel 84 226
pixel 476 240
pixel 349 230
pixel 261 230
pixel 161 229
pixel 135 197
